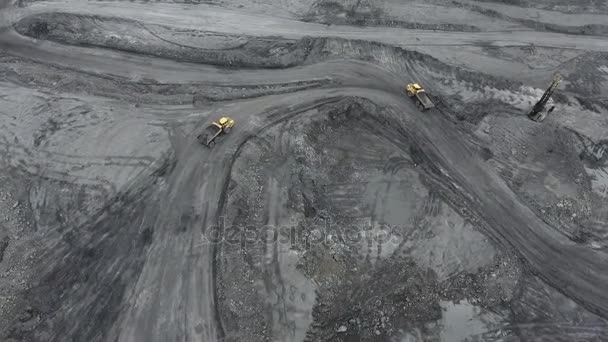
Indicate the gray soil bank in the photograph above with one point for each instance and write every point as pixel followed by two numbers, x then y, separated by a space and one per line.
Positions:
pixel 319 182
pixel 589 29
pixel 553 173
pixel 366 13
pixel 67 28
pixel 26 73
pixel 370 13
pixel 100 252
pixel 271 52
pixel 328 277
pixel 564 6
pixel 128 35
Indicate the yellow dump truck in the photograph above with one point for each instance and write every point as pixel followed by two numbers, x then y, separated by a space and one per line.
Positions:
pixel 414 90
pixel 222 126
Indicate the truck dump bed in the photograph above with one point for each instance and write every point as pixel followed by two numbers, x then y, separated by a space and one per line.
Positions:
pixel 425 101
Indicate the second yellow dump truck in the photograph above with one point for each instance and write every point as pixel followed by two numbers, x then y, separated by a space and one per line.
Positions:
pixel 422 99
pixel 222 126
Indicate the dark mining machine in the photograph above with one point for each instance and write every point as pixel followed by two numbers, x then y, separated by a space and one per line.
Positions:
pixel 539 111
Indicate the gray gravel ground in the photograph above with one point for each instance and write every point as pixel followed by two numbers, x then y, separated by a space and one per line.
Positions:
pixel 334 210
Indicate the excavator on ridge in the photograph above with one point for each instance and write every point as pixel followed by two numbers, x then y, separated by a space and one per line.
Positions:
pixel 539 112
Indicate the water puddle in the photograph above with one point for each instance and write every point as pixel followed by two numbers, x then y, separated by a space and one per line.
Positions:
pixel 599 180
pixel 461 321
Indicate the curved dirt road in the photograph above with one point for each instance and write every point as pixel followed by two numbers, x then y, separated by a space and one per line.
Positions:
pixel 174 296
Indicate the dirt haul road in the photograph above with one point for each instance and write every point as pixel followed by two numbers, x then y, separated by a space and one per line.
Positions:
pixel 165 288
pixel 216 19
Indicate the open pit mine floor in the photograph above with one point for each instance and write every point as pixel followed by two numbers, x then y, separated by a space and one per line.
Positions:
pixel 334 209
